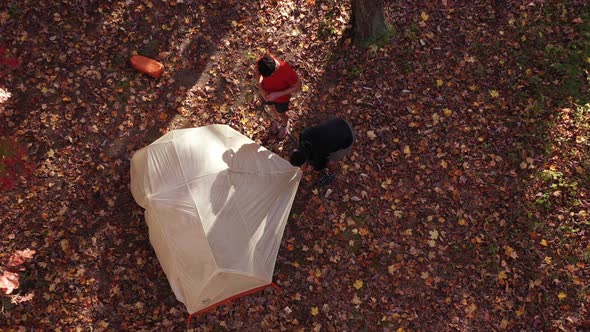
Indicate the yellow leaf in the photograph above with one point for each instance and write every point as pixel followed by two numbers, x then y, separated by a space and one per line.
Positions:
pixel 439 82
pixel 407 150
pixel 544 242
pixel 561 295
pixel 424 16
pixel 443 164
pixel 67 99
pixel 447 112
pixel 358 284
pixel 462 222
pixel 494 93
pixel 371 134
pixel 548 260
pixel 318 273
pixel 385 184
pixel 502 275
pixel 433 234
pixel 315 311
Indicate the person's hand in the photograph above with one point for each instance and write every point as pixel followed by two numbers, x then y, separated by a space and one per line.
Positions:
pixel 263 93
pixel 305 167
pixel 272 96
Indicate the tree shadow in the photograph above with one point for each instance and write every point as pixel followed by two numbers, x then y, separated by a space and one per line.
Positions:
pixel 83 110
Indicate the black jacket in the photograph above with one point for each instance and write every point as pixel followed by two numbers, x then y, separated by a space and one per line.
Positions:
pixel 318 142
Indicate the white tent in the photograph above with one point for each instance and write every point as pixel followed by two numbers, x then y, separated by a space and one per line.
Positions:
pixel 216 207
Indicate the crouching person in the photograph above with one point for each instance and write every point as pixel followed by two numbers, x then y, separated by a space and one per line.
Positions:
pixel 323 146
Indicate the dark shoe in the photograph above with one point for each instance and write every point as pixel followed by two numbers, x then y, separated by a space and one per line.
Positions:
pixel 324 180
pixel 283 131
pixel 274 127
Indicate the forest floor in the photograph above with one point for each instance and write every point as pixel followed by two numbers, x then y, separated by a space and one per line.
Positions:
pixel 464 205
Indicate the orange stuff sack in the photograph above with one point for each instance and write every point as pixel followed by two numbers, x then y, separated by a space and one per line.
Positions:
pixel 147 66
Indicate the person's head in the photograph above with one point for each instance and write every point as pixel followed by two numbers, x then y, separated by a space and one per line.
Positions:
pixel 298 158
pixel 266 65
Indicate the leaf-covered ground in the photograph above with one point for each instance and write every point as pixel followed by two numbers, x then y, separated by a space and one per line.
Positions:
pixel 464 205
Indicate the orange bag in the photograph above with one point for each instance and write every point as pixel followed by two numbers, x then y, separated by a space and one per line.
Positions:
pixel 147 66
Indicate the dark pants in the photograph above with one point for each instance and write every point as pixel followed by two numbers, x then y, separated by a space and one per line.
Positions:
pixel 280 107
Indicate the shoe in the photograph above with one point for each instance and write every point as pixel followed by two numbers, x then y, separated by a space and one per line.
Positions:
pixel 274 127
pixel 283 131
pixel 324 180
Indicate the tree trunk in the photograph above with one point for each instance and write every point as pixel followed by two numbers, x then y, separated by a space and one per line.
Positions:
pixel 368 21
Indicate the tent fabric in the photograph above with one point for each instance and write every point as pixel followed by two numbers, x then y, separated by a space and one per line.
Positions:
pixel 216 207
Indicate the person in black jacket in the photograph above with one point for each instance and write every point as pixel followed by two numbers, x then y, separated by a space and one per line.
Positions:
pixel 323 146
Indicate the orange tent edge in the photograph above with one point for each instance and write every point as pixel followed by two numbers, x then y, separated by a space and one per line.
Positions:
pixel 231 298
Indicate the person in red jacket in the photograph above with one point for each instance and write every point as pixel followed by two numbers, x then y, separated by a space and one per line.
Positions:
pixel 276 82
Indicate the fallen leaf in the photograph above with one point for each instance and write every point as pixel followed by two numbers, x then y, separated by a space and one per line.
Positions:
pixel 433 234
pixel 315 311
pixel 358 284
pixel 407 150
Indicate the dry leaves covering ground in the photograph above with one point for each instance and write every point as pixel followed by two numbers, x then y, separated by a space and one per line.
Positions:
pixel 464 205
